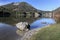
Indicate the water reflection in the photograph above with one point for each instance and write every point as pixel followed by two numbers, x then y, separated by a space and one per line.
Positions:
pixel 8 32
pixel 42 22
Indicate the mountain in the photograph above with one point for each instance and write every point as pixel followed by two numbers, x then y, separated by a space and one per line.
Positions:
pixel 57 9
pixel 56 13
pixel 20 7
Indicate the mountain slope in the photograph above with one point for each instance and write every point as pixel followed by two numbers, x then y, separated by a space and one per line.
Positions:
pixel 13 8
pixel 56 13
pixel 21 6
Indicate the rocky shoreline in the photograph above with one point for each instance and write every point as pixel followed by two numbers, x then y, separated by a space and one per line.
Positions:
pixel 30 33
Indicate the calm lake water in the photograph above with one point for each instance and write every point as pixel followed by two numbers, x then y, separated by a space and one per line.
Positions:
pixel 42 22
pixel 8 32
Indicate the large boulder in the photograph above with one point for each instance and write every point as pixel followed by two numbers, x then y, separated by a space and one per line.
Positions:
pixel 22 25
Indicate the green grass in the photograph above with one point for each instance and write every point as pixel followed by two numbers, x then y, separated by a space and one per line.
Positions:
pixel 49 33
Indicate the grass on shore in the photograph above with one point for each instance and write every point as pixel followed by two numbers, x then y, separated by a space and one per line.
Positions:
pixel 49 33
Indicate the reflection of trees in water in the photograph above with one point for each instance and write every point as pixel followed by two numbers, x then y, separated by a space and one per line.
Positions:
pixel 4 14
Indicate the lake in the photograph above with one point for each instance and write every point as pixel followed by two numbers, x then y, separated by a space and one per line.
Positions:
pixel 42 22
pixel 8 32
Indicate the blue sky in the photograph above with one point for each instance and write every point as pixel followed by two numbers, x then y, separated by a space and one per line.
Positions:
pixel 39 4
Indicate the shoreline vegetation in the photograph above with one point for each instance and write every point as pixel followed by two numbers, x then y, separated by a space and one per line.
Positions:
pixel 28 35
pixel 50 32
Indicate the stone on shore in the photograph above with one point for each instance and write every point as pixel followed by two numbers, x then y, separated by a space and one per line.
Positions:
pixel 22 25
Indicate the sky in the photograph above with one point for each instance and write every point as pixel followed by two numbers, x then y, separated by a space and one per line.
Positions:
pixel 46 5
